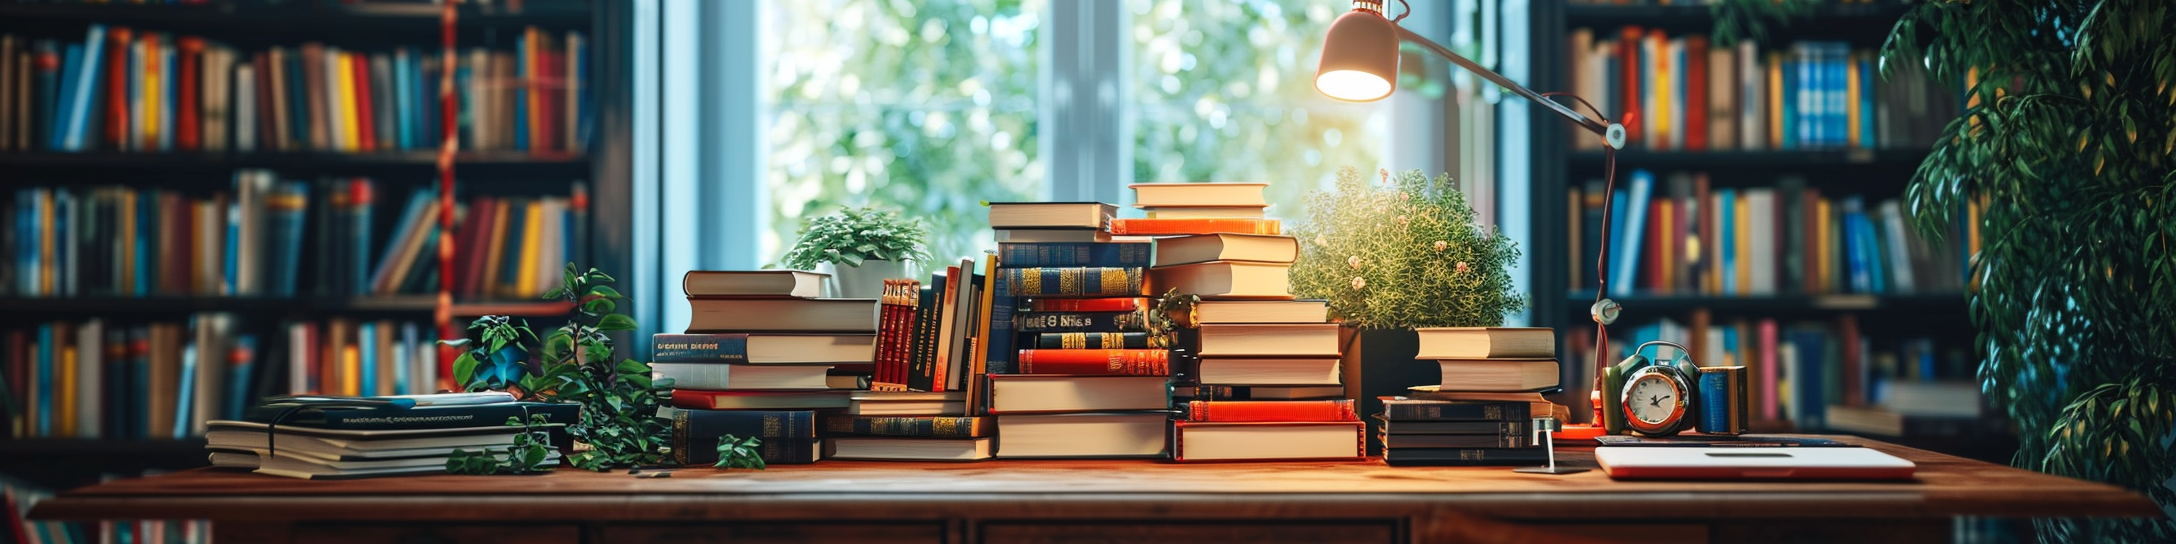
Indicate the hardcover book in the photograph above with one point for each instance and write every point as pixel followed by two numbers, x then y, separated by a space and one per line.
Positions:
pixel 1073 254
pixel 1238 411
pixel 1206 441
pixel 1226 247
pixel 1086 215
pixel 909 426
pixel 854 315
pixel 1076 282
pixel 1227 279
pixel 1184 195
pixel 762 348
pixel 753 283
pixel 1023 393
pixel 788 436
pixel 1083 435
pixel 1316 371
pixel 1172 227
pixel 909 449
pixel 1116 362
pixel 1486 343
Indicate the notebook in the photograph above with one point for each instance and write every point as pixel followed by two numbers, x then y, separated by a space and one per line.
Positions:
pixel 1742 463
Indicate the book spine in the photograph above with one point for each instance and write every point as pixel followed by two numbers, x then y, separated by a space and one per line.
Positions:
pixel 1060 254
pixel 1126 304
pixel 1137 227
pixel 1481 411
pixel 1039 322
pixel 1463 456
pixel 1114 362
pixel 1091 340
pixel 1271 410
pixel 788 436
pixel 1097 282
pixel 699 348
pixel 908 426
pixel 923 351
pixel 1003 305
pixel 1499 440
pixel 484 415
pixel 1466 427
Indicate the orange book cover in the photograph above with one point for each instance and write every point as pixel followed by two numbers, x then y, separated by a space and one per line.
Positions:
pixel 1137 227
pixel 1236 411
pixel 188 99
pixel 1112 362
pixel 366 126
pixel 150 103
pixel 1628 65
pixel 1696 93
pixel 116 87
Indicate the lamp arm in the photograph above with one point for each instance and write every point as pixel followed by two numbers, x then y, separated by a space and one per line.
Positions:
pixel 1612 133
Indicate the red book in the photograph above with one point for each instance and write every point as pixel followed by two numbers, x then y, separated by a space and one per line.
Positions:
pixel 468 252
pixel 706 399
pixel 365 119
pixel 1164 226
pixel 188 135
pixel 1087 304
pixel 1696 93
pixel 1271 410
pixel 268 131
pixel 116 87
pixel 1629 65
pixel 1112 362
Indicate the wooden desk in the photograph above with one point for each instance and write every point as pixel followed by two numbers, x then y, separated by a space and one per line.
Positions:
pixel 1092 501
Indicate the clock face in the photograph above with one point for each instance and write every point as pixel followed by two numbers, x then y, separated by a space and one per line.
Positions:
pixel 1653 400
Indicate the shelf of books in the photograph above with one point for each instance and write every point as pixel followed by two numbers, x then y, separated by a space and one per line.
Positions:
pixel 1759 214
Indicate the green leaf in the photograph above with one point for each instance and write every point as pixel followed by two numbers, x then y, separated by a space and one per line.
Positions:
pixel 604 291
pixel 464 369
pixel 616 322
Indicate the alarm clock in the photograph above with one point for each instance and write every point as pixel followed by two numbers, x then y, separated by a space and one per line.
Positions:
pixel 1652 397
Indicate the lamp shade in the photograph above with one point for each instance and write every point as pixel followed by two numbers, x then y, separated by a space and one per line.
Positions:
pixel 1359 58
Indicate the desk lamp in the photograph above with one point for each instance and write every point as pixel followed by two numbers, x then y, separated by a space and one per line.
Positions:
pixel 1360 64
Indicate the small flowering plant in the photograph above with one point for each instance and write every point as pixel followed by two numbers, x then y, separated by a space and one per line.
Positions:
pixel 1406 252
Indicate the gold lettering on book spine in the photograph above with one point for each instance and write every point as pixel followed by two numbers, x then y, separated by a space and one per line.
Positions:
pixel 1073 341
pixel 1069 281
pixel 945 426
pixel 1118 280
pixel 1031 281
pixel 680 437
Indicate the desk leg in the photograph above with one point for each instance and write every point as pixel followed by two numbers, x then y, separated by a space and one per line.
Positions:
pixel 240 532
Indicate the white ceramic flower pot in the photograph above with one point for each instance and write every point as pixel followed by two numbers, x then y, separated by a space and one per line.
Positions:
pixel 867 280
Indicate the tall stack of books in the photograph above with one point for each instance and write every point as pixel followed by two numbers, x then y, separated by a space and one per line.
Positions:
pixel 361 437
pixel 758 359
pixel 1263 377
pixel 1481 413
pixel 924 400
pixel 1073 370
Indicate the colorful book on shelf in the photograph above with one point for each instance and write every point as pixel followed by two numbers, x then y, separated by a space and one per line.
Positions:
pixel 1165 227
pixel 1073 282
pixel 1115 362
pixel 1073 254
pixel 1238 411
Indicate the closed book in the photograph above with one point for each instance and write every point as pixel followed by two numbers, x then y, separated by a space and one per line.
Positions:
pixel 909 449
pixel 1536 404
pixel 909 426
pixel 1464 457
pixel 1116 362
pixel 1498 374
pixel 1170 227
pixel 1053 236
pixel 753 283
pixel 1269 340
pixel 1193 212
pixel 1083 435
pixel 1405 409
pixel 1271 410
pixel 1486 342
pixel 1070 254
pixel 788 436
pixel 1183 195
pixel 1078 282
pixel 1091 340
pixel 1227 279
pixel 1260 392
pixel 783 315
pixel 705 399
pixel 1039 322
pixel 1396 441
pixel 1490 428
pixel 762 348
pixel 1226 247
pixel 908 407
pixel 1121 304
pixel 731 376
pixel 1024 393
pixel 1262 311
pixel 422 417
pixel 1268 371
pixel 1206 441
pixel 1086 215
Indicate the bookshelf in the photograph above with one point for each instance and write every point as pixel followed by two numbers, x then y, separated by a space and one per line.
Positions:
pixel 250 26
pixel 1562 293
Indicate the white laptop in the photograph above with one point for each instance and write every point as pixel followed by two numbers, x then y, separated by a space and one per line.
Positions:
pixel 1743 463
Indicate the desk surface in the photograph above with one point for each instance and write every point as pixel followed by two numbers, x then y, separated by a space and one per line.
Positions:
pixel 1945 486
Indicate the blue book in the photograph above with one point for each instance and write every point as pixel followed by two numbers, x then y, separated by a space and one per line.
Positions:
pixel 187 399
pixel 64 211
pixel 1855 250
pixel 359 238
pixel 517 219
pixel 83 84
pixel 146 216
pixel 584 116
pixel 1807 397
pixel 298 99
pixel 231 261
pixel 71 59
pixel 45 379
pixel 403 102
pixel 1065 254
pixel 366 340
pixel 1792 104
pixel 521 100
pixel 1003 305
pixel 1876 261
pixel 167 83
pixel 290 227
pixel 1868 133
pixel 241 365
pixel 409 221
pixel 1726 207
pixel 403 374
pixel 1635 223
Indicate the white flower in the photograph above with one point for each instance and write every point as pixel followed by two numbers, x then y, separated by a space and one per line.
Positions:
pixel 1440 245
pixel 1359 283
pixel 1354 261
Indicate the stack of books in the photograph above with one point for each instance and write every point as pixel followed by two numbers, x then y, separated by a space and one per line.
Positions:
pixel 1481 413
pixel 758 359
pixel 1073 370
pixel 908 425
pixel 925 398
pixel 361 437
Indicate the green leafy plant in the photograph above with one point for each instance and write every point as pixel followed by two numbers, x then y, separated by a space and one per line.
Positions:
pixel 530 454
pixel 619 426
pixel 1404 253
pixel 736 452
pixel 858 234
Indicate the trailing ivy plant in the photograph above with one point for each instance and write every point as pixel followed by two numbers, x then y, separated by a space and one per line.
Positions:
pixel 736 452
pixel 530 453
pixel 1404 253
pixel 618 427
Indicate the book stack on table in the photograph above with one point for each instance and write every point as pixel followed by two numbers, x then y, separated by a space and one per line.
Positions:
pixel 1073 372
pixel 1482 412
pixel 763 351
pixel 361 437
pixel 925 399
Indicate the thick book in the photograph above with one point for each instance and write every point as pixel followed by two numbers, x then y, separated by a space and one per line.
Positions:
pixel 1196 212
pixel 909 449
pixel 909 426
pixel 1117 304
pixel 1536 404
pixel 1053 236
pixel 1227 279
pixel 762 348
pixel 1073 254
pixel 1041 322
pixel 753 283
pixel 1303 371
pixel 1501 440
pixel 1185 195
pixel 740 377
pixel 1174 227
pixel 1405 409
pixel 1226 247
pixel 1266 441
pixel 1258 392
pixel 1091 340
pixel 1114 362
pixel 1085 215
pixel 1232 411
pixel 1498 375
pixel 422 417
pixel 1262 311
pixel 1486 342
pixel 788 436
pixel 1024 393
pixel 1269 340
pixel 1075 282
pixel 1140 434
pixel 705 399
pixel 856 315
pixel 1464 457
pixel 1409 427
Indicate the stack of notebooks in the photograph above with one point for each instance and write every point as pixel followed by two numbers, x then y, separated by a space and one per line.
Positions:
pixel 361 437
pixel 761 354
pixel 1073 371
pixel 1481 413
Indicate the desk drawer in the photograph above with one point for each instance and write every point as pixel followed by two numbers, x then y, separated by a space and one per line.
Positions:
pixel 1379 532
pixel 397 532
pixel 780 533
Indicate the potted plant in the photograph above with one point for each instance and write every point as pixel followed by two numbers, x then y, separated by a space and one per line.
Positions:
pixel 1393 256
pixel 860 248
